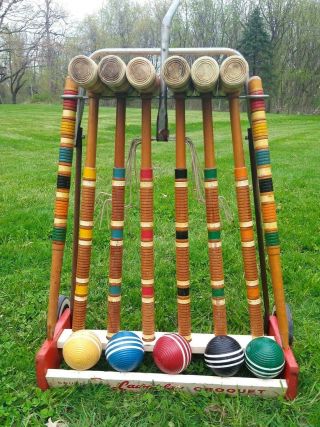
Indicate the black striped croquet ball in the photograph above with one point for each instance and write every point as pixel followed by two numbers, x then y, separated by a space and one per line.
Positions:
pixel 224 356
pixel 264 357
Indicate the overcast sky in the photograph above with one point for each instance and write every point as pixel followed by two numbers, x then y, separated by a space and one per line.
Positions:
pixel 80 8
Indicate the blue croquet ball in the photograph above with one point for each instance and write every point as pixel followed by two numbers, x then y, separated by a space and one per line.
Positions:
pixel 224 355
pixel 124 351
pixel 264 357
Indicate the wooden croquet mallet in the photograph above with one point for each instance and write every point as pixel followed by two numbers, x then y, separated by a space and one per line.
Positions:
pixel 68 124
pixel 112 71
pixel 142 76
pixel 176 73
pixel 205 74
pixel 86 218
pixel 233 75
pixel 117 220
pixel 267 201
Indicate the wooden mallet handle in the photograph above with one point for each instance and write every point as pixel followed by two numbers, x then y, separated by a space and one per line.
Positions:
pixel 213 221
pixel 176 73
pixel 245 221
pixel 68 124
pixel 268 205
pixel 117 221
pixel 142 76
pixel 86 218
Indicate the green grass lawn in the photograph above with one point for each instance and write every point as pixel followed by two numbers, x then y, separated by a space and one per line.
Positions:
pixel 29 140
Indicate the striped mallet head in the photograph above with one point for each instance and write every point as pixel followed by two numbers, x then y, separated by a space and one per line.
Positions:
pixel 205 74
pixel 84 71
pixel 234 72
pixel 112 72
pixel 141 74
pixel 176 73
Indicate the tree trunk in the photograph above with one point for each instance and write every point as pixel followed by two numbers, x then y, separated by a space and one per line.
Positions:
pixel 14 97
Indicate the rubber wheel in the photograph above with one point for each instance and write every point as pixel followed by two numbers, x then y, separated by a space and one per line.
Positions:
pixel 63 304
pixel 290 322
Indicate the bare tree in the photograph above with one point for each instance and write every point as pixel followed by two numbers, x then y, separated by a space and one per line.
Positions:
pixel 36 44
pixel 15 17
pixel 52 23
pixel 17 33
pixel 21 52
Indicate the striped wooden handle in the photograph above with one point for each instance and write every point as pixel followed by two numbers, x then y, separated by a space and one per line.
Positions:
pixel 245 219
pixel 117 221
pixel 142 76
pixel 86 219
pixel 68 123
pixel 268 205
pixel 146 224
pixel 176 73
pixel 213 221
pixel 181 214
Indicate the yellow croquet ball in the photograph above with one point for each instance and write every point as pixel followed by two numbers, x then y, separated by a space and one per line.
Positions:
pixel 82 350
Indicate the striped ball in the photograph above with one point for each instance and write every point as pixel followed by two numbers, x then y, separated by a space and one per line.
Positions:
pixel 124 351
pixel 172 354
pixel 224 355
pixel 82 350
pixel 264 357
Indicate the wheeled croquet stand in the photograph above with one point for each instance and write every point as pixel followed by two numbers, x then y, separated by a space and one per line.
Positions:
pixel 49 374
pixel 49 357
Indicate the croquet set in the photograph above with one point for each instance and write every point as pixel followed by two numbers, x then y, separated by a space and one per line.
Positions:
pixel 265 353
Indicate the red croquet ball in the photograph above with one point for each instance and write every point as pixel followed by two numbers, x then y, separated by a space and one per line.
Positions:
pixel 172 354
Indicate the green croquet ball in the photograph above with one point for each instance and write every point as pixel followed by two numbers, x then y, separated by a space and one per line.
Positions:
pixel 264 357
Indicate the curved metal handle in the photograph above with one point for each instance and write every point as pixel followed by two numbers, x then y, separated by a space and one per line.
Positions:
pixel 156 51
pixel 162 119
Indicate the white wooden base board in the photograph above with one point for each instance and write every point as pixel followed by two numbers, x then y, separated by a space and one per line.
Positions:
pixel 136 381
pixel 198 342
